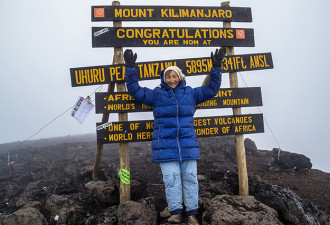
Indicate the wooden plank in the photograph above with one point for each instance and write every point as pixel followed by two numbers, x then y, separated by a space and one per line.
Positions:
pixel 170 13
pixel 171 37
pixel 94 75
pixel 124 159
pixel 239 138
pixel 136 131
pixel 226 98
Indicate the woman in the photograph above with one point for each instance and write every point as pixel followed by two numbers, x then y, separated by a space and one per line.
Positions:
pixel 174 141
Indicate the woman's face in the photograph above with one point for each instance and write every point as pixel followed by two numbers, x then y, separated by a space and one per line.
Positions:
pixel 172 79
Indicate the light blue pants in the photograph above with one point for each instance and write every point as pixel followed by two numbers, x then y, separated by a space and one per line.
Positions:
pixel 181 186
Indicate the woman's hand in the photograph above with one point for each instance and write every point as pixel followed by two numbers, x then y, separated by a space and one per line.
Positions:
pixel 129 58
pixel 217 57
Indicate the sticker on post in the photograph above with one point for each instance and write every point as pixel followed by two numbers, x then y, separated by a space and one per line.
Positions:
pixel 102 126
pixel 97 33
pixel 240 34
pixel 124 176
pixel 99 12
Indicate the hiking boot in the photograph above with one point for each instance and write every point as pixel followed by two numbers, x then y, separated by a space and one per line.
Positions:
pixel 191 220
pixel 175 218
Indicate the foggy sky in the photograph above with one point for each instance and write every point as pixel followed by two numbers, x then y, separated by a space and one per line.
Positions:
pixel 41 40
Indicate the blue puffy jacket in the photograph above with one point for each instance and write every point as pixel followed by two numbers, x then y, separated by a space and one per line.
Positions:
pixel 174 137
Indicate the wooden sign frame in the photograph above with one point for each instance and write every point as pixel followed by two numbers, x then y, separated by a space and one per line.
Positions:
pixel 94 75
pixel 171 37
pixel 170 13
pixel 118 37
pixel 136 131
pixel 226 98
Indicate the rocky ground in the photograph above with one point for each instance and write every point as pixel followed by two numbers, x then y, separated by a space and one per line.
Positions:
pixel 51 184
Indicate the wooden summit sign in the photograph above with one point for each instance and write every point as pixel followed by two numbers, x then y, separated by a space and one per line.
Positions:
pixel 135 131
pixel 118 37
pixel 171 37
pixel 84 76
pixel 170 13
pixel 226 98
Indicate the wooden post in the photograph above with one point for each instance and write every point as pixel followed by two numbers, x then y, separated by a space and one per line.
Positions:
pixel 118 58
pixel 239 139
pixel 99 147
pixel 125 193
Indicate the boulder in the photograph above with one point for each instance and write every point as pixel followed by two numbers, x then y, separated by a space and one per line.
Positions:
pixel 66 209
pixel 218 148
pixel 324 219
pixel 34 190
pixel 65 187
pixel 137 189
pixel 290 161
pixel 217 152
pixel 250 146
pixel 26 215
pixel 106 192
pixel 290 207
pixel 109 216
pixel 105 217
pixel 227 210
pixel 138 213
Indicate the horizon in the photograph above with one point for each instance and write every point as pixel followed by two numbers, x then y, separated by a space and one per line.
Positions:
pixel 46 39
pixel 79 136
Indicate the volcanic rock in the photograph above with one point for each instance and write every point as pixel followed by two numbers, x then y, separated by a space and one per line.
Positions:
pixel 290 207
pixel 52 183
pixel 138 213
pixel 66 209
pixel 106 217
pixel 29 214
pixel 230 210
pixel 250 146
pixel 106 192
pixel 290 161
